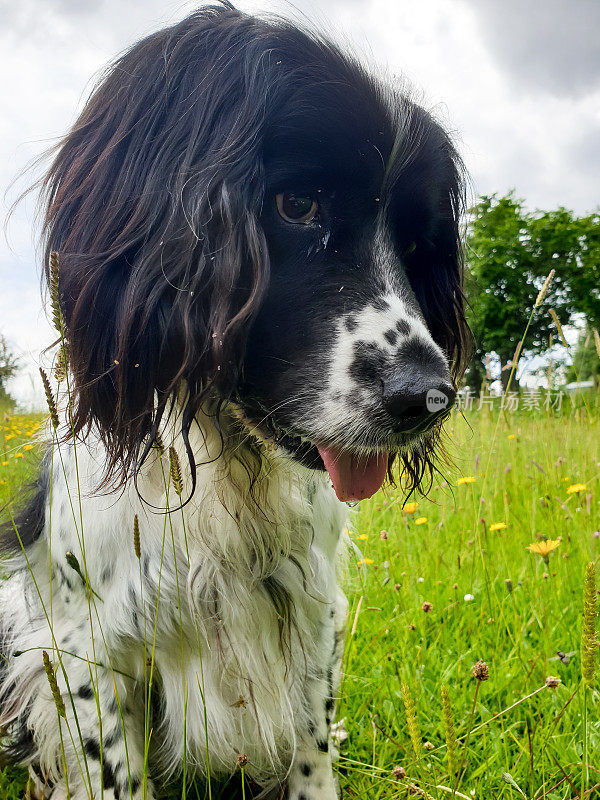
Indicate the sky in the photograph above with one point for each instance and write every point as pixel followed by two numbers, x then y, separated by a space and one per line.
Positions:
pixel 517 83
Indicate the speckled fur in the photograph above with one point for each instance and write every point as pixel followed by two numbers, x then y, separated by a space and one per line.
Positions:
pixel 269 683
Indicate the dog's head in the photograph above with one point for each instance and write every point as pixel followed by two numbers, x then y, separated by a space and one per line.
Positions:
pixel 242 213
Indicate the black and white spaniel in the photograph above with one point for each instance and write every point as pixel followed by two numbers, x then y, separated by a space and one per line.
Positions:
pixel 260 278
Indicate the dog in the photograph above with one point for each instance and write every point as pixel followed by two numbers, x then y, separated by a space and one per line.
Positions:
pixel 258 291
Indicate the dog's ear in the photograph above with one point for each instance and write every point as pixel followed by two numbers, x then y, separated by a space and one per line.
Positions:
pixel 153 201
pixel 431 218
pixel 442 290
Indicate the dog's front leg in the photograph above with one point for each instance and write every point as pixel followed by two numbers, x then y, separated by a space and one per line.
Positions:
pixel 311 776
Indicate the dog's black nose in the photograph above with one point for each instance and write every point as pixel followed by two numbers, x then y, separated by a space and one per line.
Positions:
pixel 416 398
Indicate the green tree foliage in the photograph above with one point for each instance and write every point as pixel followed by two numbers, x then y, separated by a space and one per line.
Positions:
pixel 572 245
pixel 8 367
pixel 509 253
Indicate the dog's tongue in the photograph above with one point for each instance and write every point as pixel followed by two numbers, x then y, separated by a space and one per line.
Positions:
pixel 355 477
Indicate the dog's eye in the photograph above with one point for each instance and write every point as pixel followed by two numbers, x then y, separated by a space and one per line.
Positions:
pixel 297 207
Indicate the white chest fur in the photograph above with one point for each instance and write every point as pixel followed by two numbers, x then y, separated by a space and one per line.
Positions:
pixel 229 600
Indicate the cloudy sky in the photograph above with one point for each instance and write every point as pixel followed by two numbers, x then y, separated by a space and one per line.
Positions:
pixel 518 81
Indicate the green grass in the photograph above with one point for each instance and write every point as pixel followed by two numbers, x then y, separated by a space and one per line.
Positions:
pixel 523 611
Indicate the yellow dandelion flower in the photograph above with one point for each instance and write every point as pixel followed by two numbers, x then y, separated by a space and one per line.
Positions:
pixel 364 561
pixel 363 537
pixel 27 447
pixel 18 455
pixel 410 508
pixel 465 479
pixel 421 521
pixel 498 526
pixel 5 463
pixel 2 481
pixel 9 436
pixel 576 488
pixel 543 548
pixel 511 436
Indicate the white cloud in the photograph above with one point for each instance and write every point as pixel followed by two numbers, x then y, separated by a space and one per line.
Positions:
pixel 550 46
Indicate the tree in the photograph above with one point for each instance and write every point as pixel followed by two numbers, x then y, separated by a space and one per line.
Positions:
pixel 9 364
pixel 584 270
pixel 509 253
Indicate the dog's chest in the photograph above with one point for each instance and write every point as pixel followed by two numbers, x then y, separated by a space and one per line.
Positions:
pixel 252 646
pixel 237 601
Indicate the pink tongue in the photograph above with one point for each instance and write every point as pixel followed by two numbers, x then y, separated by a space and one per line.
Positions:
pixel 355 477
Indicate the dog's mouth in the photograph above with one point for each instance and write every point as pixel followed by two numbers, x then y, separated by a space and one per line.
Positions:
pixel 355 475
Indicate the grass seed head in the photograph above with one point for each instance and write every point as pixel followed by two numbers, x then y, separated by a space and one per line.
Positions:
pixel 411 719
pixel 552 681
pixel 175 471
pixel 544 289
pixel 57 317
pixel 60 367
pixel 597 341
pixel 589 637
pixel 49 399
pixel 450 733
pixel 136 537
pixel 73 562
pixel 556 321
pixel 60 705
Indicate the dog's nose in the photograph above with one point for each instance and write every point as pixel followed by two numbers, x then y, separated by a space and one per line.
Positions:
pixel 416 398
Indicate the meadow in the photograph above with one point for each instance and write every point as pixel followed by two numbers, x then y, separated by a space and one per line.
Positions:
pixel 438 585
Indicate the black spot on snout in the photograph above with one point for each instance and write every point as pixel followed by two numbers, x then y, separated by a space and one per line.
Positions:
pixel 368 364
pixel 391 336
pixel 403 327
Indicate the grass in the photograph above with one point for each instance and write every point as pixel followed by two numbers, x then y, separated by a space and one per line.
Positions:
pixel 436 588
